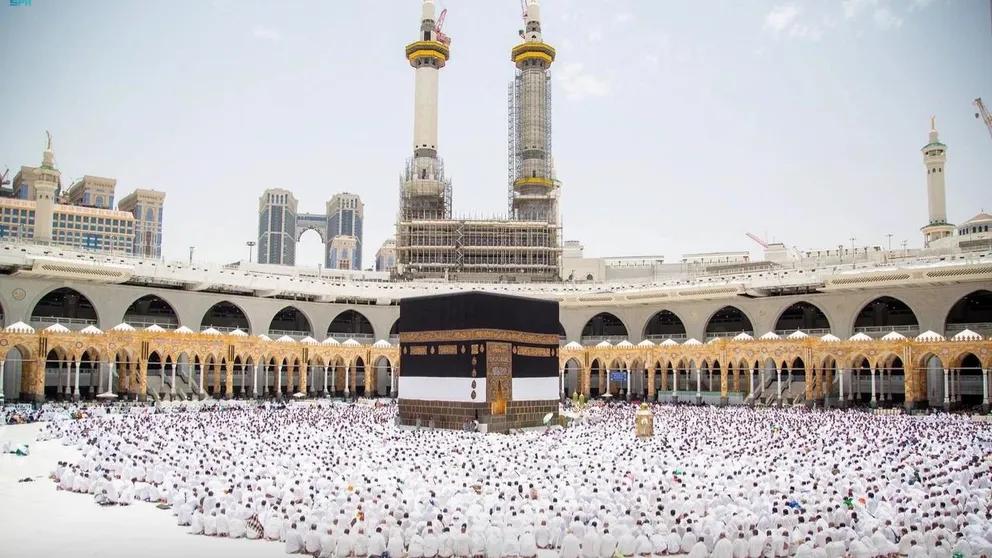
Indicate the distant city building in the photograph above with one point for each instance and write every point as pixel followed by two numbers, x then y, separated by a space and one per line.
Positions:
pixel 345 216
pixel 280 227
pixel 83 217
pixel 277 227
pixel 385 257
pixel 343 252
pixel 92 191
pixel 147 208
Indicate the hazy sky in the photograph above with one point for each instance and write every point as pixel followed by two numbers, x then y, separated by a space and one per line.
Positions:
pixel 678 126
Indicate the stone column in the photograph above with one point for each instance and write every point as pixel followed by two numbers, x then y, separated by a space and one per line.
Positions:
pixel 947 389
pixel 203 371
pixel 724 386
pixel 325 380
pixel 985 389
pixel 142 379
pixel 750 379
pixel 229 380
pixel 778 372
pixel 254 379
pixel 75 383
pixel 347 383
pixel 840 380
pixel 810 377
pixel 110 376
pixel 652 392
pixel 1 379
pixel 173 374
pixel 874 397
pixel 279 380
pixel 305 378
pixel 586 387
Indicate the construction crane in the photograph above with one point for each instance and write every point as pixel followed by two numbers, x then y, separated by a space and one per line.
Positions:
pixel 437 28
pixel 983 114
pixel 758 239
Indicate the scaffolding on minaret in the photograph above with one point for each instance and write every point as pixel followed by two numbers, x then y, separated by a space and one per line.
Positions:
pixel 517 114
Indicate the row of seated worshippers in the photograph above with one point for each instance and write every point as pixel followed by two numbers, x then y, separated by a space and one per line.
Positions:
pixel 343 481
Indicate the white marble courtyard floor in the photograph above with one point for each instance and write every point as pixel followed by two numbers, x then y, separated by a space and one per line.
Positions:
pixel 38 520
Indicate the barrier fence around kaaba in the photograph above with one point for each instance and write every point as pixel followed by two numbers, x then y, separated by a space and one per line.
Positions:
pixel 478 356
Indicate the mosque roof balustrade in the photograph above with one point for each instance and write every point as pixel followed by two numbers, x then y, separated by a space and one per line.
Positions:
pixel 21 256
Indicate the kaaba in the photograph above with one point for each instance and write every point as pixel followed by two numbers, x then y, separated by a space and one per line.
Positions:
pixel 477 356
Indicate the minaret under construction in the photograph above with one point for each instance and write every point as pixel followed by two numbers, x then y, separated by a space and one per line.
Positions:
pixel 425 193
pixel 533 188
pixel 525 245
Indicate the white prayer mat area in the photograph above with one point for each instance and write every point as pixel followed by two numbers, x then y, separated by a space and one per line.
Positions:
pixel 36 519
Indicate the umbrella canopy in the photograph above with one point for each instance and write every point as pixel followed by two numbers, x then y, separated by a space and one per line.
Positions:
pixel 107 395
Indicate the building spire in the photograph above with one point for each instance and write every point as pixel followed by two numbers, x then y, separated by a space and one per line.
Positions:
pixel 48 157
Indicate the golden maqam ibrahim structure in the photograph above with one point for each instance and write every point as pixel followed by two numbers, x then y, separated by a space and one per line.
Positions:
pixel 739 370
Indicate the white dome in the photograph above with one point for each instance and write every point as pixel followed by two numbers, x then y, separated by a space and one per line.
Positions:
pixel 285 339
pixel 181 329
pixel 893 336
pixel 308 340
pixel 122 327
pixel 830 338
pixel 798 334
pixel 743 336
pixel 381 344
pixel 771 335
pixel 56 328
pixel 692 342
pixel 929 336
pixel 967 335
pixel 573 346
pixel 210 331
pixel 351 343
pixel 238 333
pixel 860 337
pixel 91 330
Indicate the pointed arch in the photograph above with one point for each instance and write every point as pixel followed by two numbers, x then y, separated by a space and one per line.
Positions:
pixel 291 321
pixel 604 325
pixel 664 324
pixel 727 322
pixel 66 306
pixel 225 316
pixel 151 309
pixel 350 324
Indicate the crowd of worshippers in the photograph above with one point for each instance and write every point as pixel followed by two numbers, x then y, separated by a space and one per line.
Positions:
pixel 342 480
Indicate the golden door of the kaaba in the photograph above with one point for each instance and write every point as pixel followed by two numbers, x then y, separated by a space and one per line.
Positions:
pixel 499 376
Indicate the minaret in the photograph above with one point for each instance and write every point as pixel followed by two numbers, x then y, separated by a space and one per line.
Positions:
pixel 424 191
pixel 533 188
pixel 45 187
pixel 934 157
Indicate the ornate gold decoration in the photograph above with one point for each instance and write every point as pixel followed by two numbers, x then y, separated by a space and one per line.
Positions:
pixel 456 335
pixel 499 376
pixel 534 351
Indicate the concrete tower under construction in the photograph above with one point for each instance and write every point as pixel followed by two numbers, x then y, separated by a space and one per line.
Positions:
pixel 425 193
pixel 526 244
pixel 533 188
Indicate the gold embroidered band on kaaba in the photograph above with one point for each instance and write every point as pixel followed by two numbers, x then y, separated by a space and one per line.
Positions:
pixel 479 334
